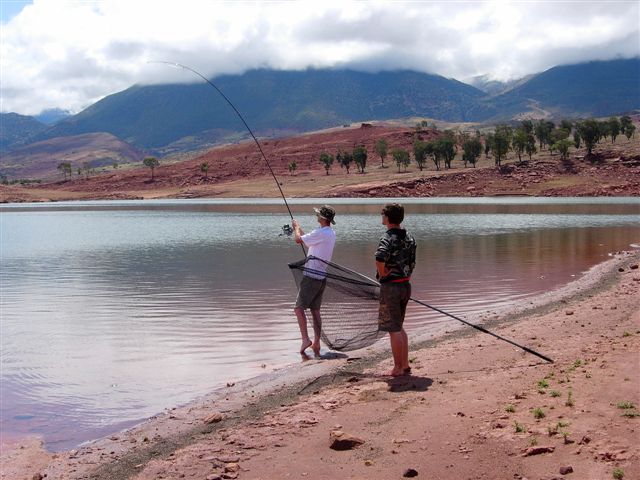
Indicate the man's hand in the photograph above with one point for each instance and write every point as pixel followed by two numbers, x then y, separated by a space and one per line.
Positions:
pixel 297 230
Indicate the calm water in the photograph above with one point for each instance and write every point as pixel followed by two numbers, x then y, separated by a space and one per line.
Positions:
pixel 113 311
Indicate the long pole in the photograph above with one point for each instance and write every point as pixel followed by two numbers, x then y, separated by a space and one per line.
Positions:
pixel 477 327
pixel 185 67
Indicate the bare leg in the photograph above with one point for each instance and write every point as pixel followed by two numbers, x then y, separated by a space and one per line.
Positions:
pixel 397 350
pixel 406 368
pixel 302 323
pixel 317 330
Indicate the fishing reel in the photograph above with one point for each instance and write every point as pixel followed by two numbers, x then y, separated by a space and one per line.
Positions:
pixel 286 230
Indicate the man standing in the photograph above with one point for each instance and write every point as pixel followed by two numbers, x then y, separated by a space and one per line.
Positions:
pixel 395 261
pixel 320 243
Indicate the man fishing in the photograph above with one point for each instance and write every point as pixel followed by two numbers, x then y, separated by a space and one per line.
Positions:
pixel 395 261
pixel 320 243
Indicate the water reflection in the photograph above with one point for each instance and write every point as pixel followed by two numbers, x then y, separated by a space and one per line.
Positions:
pixel 110 316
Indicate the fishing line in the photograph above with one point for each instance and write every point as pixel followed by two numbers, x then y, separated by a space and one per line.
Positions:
pixel 185 67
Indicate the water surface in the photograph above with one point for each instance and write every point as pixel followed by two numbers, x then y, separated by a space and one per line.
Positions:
pixel 113 311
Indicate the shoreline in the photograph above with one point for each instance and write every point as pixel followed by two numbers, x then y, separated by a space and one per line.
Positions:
pixel 171 437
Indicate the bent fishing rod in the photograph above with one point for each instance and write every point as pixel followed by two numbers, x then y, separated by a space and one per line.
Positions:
pixel 195 72
pixel 477 327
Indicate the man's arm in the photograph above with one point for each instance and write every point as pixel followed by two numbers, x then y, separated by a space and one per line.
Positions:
pixel 383 271
pixel 297 231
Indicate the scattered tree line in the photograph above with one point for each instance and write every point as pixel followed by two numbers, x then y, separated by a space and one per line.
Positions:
pixel 524 139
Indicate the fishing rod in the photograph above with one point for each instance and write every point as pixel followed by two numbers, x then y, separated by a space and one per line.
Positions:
pixel 185 67
pixel 477 327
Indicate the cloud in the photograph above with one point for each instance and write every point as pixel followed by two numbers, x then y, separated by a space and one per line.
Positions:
pixel 68 54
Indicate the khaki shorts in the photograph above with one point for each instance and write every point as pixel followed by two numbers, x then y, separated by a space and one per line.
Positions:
pixel 310 293
pixel 393 305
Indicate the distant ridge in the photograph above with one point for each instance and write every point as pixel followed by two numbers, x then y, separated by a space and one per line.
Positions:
pixel 591 89
pixel 278 103
pixel 154 116
pixel 16 129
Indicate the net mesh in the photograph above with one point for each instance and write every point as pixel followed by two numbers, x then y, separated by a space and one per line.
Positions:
pixel 349 304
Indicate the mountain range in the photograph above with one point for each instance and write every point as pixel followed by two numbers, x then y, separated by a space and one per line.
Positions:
pixel 165 118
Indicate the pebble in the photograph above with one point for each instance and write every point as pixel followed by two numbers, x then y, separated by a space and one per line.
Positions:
pixel 213 418
pixel 410 472
pixel 565 470
pixel 339 440
pixel 537 450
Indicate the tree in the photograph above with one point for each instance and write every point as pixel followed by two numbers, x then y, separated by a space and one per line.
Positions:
pixel 576 138
pixel 501 142
pixel 433 148
pixel 626 126
pixel 420 153
pixel 471 150
pixel 628 132
pixel 401 158
pixel 292 167
pixel 562 146
pixel 204 168
pixel 556 135
pixel 87 169
pixel 589 133
pixel 115 165
pixel 360 157
pixel 614 128
pixel 603 130
pixel 488 144
pixel 344 159
pixel 530 147
pixel 566 125
pixel 327 161
pixel 152 163
pixel 527 126
pixel 543 130
pixel 381 149
pixel 65 168
pixel 520 142
pixel 447 147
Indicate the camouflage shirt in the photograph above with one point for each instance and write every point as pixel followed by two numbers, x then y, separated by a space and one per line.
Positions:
pixel 397 249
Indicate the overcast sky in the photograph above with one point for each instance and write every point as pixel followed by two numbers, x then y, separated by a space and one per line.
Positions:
pixel 69 54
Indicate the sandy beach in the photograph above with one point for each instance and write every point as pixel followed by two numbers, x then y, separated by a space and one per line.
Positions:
pixel 473 407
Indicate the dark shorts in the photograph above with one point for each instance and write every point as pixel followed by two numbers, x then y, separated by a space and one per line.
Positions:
pixel 310 293
pixel 393 305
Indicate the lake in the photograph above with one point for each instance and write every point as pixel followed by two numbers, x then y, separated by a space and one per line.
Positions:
pixel 113 311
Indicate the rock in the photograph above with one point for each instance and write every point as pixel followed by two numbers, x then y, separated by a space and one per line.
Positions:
pixel 569 312
pixel 214 418
pixel 231 467
pixel 409 473
pixel 565 470
pixel 228 458
pixel 634 266
pixel 537 450
pixel 37 476
pixel 339 440
pixel 585 439
pixel 621 269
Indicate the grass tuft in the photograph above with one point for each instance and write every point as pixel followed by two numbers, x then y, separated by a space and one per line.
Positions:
pixel 538 413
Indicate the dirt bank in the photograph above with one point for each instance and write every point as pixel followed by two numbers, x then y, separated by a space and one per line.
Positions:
pixel 474 407
pixel 239 171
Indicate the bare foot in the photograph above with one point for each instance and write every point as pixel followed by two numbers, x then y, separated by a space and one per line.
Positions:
pixel 316 348
pixel 305 357
pixel 396 372
pixel 305 344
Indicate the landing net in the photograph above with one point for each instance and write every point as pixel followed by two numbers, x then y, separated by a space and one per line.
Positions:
pixel 349 304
